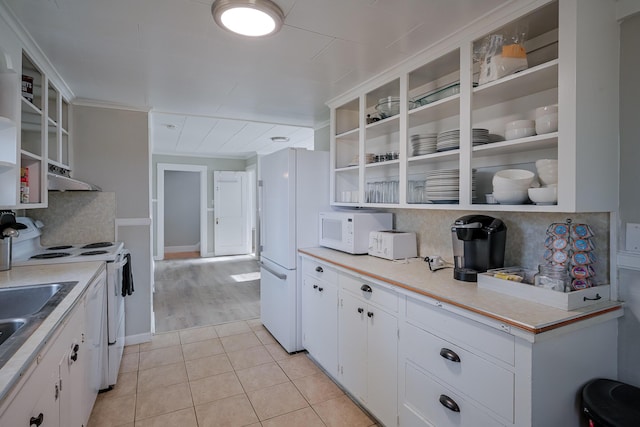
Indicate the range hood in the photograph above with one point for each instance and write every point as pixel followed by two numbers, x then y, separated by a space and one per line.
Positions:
pixel 59 179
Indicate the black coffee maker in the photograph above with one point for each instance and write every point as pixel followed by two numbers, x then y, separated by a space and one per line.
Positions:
pixel 478 245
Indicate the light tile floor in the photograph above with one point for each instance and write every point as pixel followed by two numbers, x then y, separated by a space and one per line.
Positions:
pixel 233 374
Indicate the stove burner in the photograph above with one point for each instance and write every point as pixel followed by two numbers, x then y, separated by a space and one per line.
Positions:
pixel 94 253
pixel 51 255
pixel 97 245
pixel 59 248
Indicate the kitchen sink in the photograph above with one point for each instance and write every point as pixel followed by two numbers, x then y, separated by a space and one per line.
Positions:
pixel 23 309
pixel 8 327
pixel 25 300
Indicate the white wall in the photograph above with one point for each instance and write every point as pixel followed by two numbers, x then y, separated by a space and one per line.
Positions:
pixel 322 138
pixel 629 325
pixel 182 213
pixel 111 149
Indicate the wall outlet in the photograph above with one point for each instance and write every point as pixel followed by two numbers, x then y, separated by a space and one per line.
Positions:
pixel 633 237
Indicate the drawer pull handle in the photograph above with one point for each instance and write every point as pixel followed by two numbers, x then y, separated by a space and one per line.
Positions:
pixel 319 269
pixel 360 310
pixel 596 298
pixel 320 289
pixel 449 403
pixel 366 288
pixel 36 421
pixel 315 286
pixel 370 314
pixel 449 355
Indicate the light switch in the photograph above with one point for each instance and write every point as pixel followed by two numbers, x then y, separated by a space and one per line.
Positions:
pixel 633 237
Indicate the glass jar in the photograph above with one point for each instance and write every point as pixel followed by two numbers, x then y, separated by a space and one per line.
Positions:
pixel 552 276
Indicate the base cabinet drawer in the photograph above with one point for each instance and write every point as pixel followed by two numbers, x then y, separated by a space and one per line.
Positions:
pixel 428 402
pixel 488 384
pixel 370 292
pixel 483 338
pixel 319 270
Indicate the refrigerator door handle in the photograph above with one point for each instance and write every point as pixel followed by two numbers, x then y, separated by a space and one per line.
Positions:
pixel 275 273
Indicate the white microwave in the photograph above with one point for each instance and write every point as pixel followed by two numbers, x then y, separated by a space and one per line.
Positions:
pixel 349 231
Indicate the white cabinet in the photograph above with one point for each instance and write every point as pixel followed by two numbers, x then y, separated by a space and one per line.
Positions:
pixel 34 132
pixel 320 314
pixel 55 390
pixel 381 164
pixel 367 345
pixel 455 371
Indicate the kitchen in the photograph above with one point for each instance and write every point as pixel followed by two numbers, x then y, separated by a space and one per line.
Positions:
pixel 102 126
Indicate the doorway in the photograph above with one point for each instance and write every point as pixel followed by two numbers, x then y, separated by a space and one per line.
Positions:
pixel 174 177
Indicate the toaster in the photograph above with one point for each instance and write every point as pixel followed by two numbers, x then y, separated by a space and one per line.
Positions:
pixel 392 244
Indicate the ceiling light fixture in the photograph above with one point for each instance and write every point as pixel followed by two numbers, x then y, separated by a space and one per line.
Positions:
pixel 279 139
pixel 253 18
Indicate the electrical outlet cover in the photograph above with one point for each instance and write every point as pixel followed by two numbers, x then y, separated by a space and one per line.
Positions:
pixel 633 237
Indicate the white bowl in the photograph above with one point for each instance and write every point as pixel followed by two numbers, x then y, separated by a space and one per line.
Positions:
pixel 543 195
pixel 522 177
pixel 519 133
pixel 547 109
pixel 547 123
pixel 520 124
pixel 546 163
pixel 547 171
pixel 513 197
pixel 510 186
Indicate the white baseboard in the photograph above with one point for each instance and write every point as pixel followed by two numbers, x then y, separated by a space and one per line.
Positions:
pixel 176 249
pixel 137 339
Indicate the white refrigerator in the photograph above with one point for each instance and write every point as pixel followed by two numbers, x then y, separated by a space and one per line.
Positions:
pixel 293 188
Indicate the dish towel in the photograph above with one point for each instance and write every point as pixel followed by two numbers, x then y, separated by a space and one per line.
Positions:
pixel 127 277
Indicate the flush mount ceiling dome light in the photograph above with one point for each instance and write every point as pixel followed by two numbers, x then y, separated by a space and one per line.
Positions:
pixel 253 18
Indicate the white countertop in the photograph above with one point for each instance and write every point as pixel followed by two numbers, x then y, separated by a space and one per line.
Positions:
pixel 415 276
pixel 82 272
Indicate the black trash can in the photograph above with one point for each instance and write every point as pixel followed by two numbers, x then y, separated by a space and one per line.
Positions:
pixel 609 403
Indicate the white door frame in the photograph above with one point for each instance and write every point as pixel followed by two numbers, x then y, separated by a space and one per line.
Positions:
pixel 161 169
pixel 252 193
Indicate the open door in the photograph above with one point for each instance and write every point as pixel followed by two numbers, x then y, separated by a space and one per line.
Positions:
pixel 231 219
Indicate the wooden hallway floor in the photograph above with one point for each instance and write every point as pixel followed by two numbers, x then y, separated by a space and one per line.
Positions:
pixel 205 291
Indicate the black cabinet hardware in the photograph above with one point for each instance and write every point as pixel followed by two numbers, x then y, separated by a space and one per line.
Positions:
pixel 319 269
pixel 449 403
pixel 366 288
pixel 449 355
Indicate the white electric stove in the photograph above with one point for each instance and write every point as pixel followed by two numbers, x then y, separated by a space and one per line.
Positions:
pixel 27 250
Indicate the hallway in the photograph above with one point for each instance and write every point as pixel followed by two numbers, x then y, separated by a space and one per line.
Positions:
pixel 205 291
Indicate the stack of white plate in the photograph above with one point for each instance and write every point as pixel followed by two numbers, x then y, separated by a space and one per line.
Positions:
pixel 442 186
pixel 480 136
pixel 423 144
pixel 448 140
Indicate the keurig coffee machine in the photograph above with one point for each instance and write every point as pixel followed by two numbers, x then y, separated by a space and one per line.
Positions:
pixel 478 245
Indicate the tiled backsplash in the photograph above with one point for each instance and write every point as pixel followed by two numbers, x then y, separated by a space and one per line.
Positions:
pixel 526 233
pixel 77 217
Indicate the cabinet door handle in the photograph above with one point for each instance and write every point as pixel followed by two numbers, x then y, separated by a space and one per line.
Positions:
pixel 320 289
pixel 449 355
pixel 360 310
pixel 36 421
pixel 366 288
pixel 370 314
pixel 319 269
pixel 449 403
pixel 315 286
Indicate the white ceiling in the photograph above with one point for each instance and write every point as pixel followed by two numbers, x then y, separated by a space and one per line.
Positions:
pixel 225 94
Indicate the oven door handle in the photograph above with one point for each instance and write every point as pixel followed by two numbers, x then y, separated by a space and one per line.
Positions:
pixel 272 271
pixel 118 265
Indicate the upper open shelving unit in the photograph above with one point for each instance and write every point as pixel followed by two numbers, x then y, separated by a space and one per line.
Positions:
pixel 441 147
